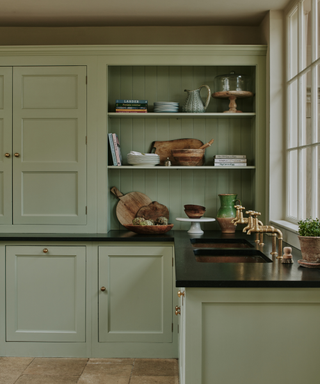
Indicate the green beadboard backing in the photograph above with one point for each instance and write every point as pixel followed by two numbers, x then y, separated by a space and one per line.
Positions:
pixel 232 135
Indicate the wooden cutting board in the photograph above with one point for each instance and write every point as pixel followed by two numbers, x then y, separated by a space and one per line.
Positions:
pixel 153 211
pixel 129 204
pixel 164 148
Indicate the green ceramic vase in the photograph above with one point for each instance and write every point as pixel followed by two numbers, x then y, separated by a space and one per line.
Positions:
pixel 227 212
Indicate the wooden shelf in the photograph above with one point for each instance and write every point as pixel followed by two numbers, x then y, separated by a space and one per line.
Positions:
pixel 179 115
pixel 122 167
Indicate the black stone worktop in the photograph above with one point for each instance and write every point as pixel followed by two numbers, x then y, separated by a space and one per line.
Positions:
pixel 190 273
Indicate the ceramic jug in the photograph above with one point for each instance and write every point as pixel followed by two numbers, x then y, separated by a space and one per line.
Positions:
pixel 194 102
pixel 227 212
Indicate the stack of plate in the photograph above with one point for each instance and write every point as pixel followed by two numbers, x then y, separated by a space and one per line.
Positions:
pixel 143 160
pixel 166 107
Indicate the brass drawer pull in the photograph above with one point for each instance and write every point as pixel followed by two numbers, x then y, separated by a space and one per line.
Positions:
pixel 7 154
pixel 103 289
pixel 17 154
pixel 180 293
pixel 177 312
pixel 45 250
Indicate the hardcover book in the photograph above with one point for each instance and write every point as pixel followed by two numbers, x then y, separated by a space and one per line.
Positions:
pixel 131 101
pixel 230 164
pixel 231 159
pixel 229 156
pixel 131 110
pixel 112 152
pixel 117 150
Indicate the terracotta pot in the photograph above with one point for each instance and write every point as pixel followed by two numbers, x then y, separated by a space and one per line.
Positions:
pixel 310 248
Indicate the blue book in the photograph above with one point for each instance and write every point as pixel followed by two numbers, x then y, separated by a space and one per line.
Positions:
pixel 112 150
pixel 131 101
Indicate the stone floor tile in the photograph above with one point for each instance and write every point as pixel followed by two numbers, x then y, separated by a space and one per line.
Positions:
pixel 109 369
pixel 155 367
pixel 102 378
pixel 46 379
pixel 8 378
pixel 13 365
pixel 56 366
pixel 111 361
pixel 154 380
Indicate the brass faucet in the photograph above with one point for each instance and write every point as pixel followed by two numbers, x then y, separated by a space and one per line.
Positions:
pixel 276 233
pixel 239 219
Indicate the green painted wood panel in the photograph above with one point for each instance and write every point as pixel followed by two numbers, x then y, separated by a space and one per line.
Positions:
pixel 49 133
pixel 137 303
pixel 257 332
pixel 233 134
pixel 45 293
pixel 5 145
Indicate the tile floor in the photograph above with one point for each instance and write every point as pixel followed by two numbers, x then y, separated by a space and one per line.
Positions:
pixel 25 370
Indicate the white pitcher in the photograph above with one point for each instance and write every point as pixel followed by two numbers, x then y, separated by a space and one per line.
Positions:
pixel 194 102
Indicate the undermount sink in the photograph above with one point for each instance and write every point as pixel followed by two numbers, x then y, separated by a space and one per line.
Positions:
pixel 230 256
pixel 221 243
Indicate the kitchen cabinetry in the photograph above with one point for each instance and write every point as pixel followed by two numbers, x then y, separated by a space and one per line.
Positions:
pixel 247 335
pixel 238 133
pixel 135 298
pixel 45 293
pixel 43 145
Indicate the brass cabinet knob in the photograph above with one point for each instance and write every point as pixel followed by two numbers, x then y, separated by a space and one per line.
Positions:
pixel 7 154
pixel 177 312
pixel 17 154
pixel 180 293
pixel 103 289
pixel 45 250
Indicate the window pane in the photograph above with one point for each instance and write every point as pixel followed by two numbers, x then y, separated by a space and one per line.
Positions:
pixel 318 18
pixel 307 182
pixel 317 149
pixel 307 33
pixel 293 43
pixel 307 97
pixel 293 183
pixel 293 114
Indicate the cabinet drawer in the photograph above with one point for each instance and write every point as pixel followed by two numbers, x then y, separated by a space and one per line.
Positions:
pixel 45 293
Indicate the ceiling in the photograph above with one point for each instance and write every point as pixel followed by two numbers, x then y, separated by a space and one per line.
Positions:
pixel 139 13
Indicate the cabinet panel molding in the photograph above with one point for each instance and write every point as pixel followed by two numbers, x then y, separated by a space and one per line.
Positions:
pixel 45 293
pixel 135 302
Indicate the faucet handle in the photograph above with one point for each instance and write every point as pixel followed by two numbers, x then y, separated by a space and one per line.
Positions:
pixel 256 214
pixel 250 213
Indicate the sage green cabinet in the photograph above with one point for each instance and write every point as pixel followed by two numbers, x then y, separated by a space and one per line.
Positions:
pixel 5 145
pixel 250 335
pixel 43 151
pixel 45 293
pixel 135 294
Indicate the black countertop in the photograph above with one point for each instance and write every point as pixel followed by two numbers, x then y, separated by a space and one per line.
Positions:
pixel 190 273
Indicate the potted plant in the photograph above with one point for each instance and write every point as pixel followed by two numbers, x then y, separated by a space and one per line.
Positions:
pixel 309 237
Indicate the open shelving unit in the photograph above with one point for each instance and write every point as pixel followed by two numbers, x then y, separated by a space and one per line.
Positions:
pixel 239 133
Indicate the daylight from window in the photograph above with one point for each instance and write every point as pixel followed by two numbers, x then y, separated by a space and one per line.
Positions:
pixel 303 125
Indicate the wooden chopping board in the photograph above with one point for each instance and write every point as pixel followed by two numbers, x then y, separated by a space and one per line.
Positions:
pixel 164 148
pixel 129 204
pixel 153 211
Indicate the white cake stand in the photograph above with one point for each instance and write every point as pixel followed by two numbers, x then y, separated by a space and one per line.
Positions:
pixel 195 228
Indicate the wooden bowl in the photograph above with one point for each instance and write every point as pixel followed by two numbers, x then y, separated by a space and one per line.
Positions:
pixel 194 211
pixel 188 157
pixel 149 229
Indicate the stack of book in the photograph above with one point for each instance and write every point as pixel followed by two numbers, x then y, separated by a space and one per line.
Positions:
pixel 114 149
pixel 131 106
pixel 230 160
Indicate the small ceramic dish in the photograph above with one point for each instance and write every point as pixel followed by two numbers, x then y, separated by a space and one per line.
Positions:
pixel 194 211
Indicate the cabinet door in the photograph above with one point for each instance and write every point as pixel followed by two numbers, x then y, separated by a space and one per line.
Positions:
pixel 136 305
pixel 45 293
pixel 5 145
pixel 49 138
